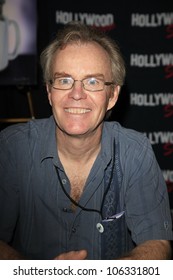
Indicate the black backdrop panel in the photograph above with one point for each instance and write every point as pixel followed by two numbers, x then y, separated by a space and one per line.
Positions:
pixel 144 32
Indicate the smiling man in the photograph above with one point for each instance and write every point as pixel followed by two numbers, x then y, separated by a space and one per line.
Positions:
pixel 75 186
pixel 77 94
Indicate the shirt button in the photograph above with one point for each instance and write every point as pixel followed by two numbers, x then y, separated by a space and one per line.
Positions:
pixel 73 230
pixel 100 227
pixel 68 210
pixel 64 181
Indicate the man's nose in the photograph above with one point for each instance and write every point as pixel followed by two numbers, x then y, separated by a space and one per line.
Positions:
pixel 77 92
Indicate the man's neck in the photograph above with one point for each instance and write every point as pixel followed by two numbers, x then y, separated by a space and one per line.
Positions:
pixel 78 148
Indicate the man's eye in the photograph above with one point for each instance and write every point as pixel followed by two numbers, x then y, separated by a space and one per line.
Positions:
pixel 93 81
pixel 65 81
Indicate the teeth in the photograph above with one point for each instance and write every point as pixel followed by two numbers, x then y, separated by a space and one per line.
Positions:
pixel 77 110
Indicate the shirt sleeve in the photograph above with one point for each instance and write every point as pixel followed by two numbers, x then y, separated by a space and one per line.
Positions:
pixel 9 198
pixel 146 200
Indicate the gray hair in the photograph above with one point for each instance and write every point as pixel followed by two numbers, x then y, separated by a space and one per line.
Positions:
pixel 76 32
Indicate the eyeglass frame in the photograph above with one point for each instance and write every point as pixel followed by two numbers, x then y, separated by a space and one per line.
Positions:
pixel 83 85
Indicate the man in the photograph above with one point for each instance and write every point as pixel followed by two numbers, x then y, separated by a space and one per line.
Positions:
pixel 75 186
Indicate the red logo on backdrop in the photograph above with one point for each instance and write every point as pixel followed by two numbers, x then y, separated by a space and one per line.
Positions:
pixel 169 186
pixel 168 149
pixel 106 28
pixel 168 110
pixel 169 31
pixel 168 71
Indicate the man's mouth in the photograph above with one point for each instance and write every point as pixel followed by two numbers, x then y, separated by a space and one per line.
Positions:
pixel 77 110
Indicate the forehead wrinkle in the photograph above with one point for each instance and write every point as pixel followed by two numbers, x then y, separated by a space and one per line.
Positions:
pixel 83 60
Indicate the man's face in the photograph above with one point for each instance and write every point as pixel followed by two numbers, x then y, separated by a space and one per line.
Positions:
pixel 79 112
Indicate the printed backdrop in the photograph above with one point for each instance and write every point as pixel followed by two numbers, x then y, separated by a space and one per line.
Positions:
pixel 144 33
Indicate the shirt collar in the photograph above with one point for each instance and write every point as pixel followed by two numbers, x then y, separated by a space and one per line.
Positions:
pixel 50 146
pixel 107 143
pixel 48 140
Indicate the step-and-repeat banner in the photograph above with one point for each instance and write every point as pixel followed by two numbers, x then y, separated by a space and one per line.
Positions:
pixel 144 32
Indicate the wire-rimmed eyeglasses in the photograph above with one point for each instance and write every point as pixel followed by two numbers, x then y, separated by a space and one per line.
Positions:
pixel 89 84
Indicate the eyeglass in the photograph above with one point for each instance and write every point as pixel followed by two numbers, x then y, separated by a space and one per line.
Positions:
pixel 89 84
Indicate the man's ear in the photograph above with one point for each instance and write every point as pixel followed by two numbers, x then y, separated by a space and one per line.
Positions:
pixel 49 94
pixel 113 97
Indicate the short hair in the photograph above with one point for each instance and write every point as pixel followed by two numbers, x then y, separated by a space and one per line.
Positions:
pixel 77 32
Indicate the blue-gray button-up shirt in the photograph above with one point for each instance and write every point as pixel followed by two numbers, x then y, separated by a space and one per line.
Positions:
pixel 35 213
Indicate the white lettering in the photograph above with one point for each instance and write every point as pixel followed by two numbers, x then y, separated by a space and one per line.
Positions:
pixel 168 175
pixel 98 20
pixel 152 100
pixel 63 17
pixel 151 20
pixel 152 60
pixel 160 137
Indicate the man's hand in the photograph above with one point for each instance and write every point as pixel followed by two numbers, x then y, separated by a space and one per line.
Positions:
pixel 72 255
